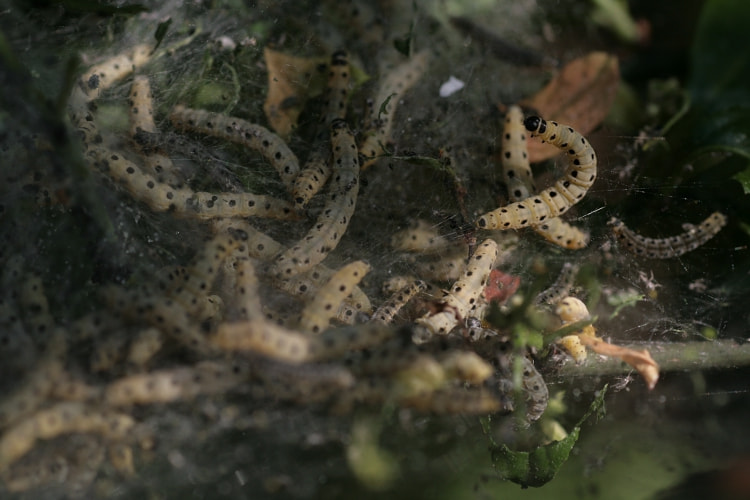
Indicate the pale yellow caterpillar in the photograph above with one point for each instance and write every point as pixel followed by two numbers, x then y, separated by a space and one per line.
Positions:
pixel 520 182
pixel 394 84
pixel 279 343
pixel 465 293
pixel 254 136
pixel 317 169
pixel 317 314
pixel 63 418
pixel 72 389
pixel 673 246
pixel 566 192
pixel 100 77
pixel 337 212
pixel 141 105
pixel 388 310
pixel 422 238
pixel 182 201
pixel 164 386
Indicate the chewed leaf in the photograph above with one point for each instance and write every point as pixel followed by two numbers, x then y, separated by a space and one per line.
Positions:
pixel 540 465
pixel 580 95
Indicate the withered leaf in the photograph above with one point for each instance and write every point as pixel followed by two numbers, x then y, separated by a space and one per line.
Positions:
pixel 291 80
pixel 580 95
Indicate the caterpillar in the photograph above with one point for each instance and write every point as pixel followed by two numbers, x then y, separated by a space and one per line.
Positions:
pixel 465 293
pixel 673 246
pixel 162 197
pixel 317 169
pixel 388 310
pixel 254 136
pixel 317 313
pixel 101 76
pixel 182 383
pixel 141 105
pixel 423 238
pixel 561 287
pixel 533 387
pixel 555 200
pixel 62 418
pixel 331 224
pixel 282 344
pixel 398 81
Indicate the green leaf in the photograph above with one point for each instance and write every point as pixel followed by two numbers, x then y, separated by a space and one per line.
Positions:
pixel 719 115
pixel 538 467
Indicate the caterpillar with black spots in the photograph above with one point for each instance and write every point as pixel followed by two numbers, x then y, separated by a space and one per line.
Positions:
pixel 184 202
pixel 333 221
pixel 318 312
pixel 465 294
pixel 673 246
pixel 520 182
pixel 566 192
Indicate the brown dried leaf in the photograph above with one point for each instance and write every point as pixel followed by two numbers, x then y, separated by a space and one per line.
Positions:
pixel 290 80
pixel 580 95
pixel 640 360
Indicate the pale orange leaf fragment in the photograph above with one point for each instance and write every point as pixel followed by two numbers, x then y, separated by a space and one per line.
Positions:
pixel 580 95
pixel 290 79
pixel 640 360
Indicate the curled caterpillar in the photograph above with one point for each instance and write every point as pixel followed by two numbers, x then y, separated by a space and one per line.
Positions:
pixel 331 224
pixel 673 246
pixel 566 192
pixel 254 136
pixel 520 183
